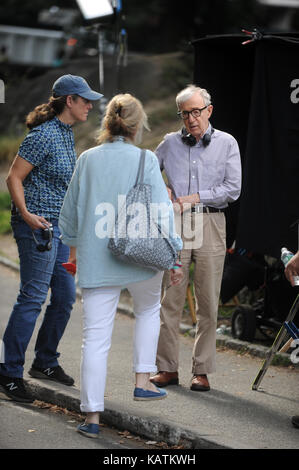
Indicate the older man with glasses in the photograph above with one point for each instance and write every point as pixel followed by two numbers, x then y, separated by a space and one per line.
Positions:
pixel 203 168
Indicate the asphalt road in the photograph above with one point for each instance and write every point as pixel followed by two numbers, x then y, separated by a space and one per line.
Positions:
pixel 42 426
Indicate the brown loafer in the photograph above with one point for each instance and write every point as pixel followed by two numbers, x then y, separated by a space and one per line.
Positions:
pixel 200 383
pixel 162 379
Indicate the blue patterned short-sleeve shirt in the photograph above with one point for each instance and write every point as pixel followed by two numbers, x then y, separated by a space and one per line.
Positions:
pixel 50 149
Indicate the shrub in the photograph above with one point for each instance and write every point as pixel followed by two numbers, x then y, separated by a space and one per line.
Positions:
pixel 9 145
pixel 5 213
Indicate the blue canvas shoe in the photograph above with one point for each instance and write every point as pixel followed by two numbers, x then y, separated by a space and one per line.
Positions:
pixel 89 430
pixel 141 394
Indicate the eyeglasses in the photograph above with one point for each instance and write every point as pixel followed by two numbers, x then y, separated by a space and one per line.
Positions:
pixel 196 113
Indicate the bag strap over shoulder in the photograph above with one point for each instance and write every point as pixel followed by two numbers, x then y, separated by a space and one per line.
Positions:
pixel 140 174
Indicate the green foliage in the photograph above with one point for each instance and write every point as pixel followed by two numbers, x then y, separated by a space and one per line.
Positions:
pixel 4 213
pixel 4 201
pixel 281 360
pixel 225 311
pixel 9 145
pixel 4 222
pixel 162 115
pixel 177 74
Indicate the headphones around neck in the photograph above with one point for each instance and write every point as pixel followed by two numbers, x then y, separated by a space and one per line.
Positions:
pixel 190 140
pixel 47 234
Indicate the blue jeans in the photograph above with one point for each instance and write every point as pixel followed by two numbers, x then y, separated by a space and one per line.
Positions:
pixel 39 271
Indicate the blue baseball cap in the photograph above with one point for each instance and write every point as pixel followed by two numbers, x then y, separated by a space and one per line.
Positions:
pixel 74 85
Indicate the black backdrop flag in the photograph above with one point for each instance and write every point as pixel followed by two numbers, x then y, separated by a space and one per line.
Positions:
pixel 255 93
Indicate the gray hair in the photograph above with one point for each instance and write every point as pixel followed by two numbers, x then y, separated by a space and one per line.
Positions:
pixel 189 91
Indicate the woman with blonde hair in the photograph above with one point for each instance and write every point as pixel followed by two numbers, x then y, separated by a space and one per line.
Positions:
pixel 102 174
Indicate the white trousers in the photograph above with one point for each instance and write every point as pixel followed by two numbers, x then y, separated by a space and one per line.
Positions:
pixel 99 309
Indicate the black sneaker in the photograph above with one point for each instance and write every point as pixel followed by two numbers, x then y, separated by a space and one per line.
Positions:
pixel 15 389
pixel 51 373
pixel 295 421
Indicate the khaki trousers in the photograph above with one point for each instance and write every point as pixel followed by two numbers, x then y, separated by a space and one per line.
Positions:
pixel 208 268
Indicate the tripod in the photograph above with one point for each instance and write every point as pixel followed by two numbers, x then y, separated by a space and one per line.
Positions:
pixel 280 337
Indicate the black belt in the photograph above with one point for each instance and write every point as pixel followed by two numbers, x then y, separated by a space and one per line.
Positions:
pixel 205 209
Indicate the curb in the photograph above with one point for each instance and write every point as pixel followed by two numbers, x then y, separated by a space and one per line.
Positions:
pixel 9 264
pixel 122 419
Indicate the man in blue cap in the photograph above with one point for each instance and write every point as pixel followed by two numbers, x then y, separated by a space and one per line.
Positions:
pixel 37 181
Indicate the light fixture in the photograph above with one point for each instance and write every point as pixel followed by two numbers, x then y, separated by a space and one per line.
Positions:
pixel 96 10
pixel 281 3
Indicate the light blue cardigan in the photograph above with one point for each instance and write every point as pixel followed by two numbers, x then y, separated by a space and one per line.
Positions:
pixel 102 174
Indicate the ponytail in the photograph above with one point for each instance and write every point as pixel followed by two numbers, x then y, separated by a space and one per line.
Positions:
pixel 46 112
pixel 125 117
